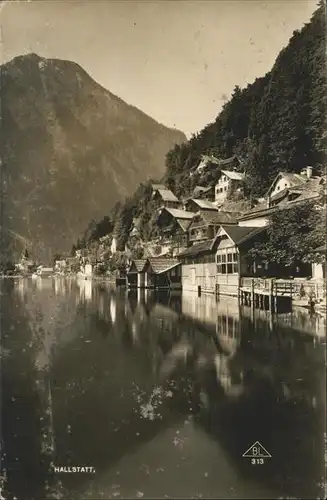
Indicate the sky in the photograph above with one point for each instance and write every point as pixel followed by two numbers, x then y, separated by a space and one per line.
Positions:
pixel 176 60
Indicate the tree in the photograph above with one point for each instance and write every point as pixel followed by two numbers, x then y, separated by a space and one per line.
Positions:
pixel 292 237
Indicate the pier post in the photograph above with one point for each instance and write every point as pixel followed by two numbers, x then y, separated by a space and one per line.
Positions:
pixel 275 297
pixel 271 291
pixel 252 291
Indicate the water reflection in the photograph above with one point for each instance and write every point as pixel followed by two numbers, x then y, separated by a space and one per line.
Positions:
pixel 121 380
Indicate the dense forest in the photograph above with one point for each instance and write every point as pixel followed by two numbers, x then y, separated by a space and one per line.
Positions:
pixel 276 123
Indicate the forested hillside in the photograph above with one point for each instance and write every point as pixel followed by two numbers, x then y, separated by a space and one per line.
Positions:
pixel 276 123
pixel 70 150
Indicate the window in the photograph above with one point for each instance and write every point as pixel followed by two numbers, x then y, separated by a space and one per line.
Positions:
pixel 227 263
pixel 278 188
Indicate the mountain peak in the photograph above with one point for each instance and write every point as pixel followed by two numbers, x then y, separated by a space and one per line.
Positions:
pixel 69 152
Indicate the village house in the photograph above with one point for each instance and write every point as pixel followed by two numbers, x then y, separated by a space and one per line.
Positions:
pixel 155 273
pixel 216 265
pixel 229 182
pixel 284 180
pixel 286 191
pixel 205 224
pixel 25 266
pixel 195 204
pixel 164 197
pixel 60 265
pixel 173 229
pixel 44 272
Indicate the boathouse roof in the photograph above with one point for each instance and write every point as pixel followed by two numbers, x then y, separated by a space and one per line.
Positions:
pixel 137 266
pixel 162 265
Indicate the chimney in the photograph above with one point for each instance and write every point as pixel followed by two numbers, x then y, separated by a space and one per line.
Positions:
pixel 309 172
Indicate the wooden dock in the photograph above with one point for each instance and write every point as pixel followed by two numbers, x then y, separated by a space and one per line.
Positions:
pixel 268 294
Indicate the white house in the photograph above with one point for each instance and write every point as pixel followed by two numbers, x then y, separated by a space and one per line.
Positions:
pixel 284 180
pixel 227 181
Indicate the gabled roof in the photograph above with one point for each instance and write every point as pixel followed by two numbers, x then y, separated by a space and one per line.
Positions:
pixel 161 265
pixel 204 204
pixel 178 214
pixel 219 217
pixel 237 176
pixel 197 248
pixel 184 224
pixel 291 178
pixel 210 217
pixel 167 195
pixel 240 234
pixel 138 264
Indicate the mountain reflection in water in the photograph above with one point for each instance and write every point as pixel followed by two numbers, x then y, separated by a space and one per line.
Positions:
pixel 161 394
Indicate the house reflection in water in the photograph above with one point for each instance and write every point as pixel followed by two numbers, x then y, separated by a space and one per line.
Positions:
pixel 224 314
pixel 113 309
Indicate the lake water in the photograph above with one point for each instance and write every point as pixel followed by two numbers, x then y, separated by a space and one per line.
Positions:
pixel 160 395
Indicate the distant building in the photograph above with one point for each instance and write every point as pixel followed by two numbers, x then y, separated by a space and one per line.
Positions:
pixel 44 271
pixel 60 265
pixel 229 181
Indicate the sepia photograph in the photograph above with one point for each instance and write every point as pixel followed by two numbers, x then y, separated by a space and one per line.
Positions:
pixel 163 249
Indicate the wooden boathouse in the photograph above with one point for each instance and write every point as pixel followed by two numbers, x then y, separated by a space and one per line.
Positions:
pixel 136 274
pixel 158 273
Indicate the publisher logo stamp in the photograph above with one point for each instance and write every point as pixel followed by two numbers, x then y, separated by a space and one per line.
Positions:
pixel 257 453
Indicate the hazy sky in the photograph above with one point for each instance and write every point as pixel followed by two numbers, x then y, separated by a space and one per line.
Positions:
pixel 176 60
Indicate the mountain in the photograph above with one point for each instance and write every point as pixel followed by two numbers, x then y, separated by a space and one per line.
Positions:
pixel 276 123
pixel 70 150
